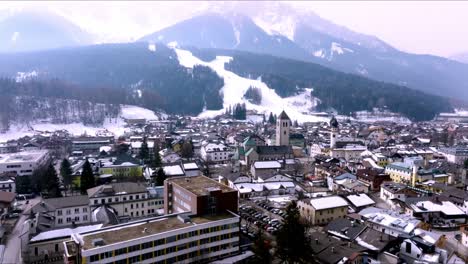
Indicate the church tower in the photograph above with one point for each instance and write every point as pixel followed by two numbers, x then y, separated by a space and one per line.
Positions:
pixel 283 124
pixel 334 132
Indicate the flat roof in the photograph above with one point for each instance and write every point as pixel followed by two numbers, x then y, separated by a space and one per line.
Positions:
pixel 23 156
pixel 200 185
pixel 143 228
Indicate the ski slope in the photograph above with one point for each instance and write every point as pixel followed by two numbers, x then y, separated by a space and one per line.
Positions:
pixel 298 107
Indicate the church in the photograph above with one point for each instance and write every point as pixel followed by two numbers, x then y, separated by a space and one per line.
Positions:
pixel 281 150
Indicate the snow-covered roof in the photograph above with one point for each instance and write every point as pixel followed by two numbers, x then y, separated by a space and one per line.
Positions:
pixel 446 207
pixel 328 202
pixel 392 219
pixel 272 164
pixel 64 232
pixel 359 200
pixel 173 170
pixel 191 166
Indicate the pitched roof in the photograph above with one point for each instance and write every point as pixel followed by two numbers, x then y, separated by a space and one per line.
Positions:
pixel 117 188
pixel 283 116
pixel 274 150
pixel 69 201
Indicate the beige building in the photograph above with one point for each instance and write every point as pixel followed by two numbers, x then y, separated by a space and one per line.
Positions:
pixel 321 211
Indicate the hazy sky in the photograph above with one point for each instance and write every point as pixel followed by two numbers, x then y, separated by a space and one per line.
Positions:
pixel 439 28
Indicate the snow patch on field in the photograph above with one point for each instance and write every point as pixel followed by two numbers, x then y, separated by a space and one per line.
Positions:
pixel 23 76
pixel 152 47
pixel 319 53
pixel 298 107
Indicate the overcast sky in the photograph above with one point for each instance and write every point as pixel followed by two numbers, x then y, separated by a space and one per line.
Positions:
pixel 439 28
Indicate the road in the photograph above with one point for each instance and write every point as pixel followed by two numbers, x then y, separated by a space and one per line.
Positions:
pixel 12 253
pixel 13 246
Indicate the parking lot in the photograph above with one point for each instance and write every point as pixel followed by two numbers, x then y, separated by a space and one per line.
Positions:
pixel 260 214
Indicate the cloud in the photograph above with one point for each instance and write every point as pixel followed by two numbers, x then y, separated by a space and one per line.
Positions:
pixel 419 27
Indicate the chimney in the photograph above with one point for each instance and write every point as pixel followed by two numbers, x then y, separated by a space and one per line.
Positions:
pixel 316 241
pixel 145 230
pixel 349 244
pixel 332 249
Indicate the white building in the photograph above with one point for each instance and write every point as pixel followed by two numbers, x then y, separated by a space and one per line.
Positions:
pixel 217 152
pixel 456 155
pixel 61 212
pixel 23 163
pixel 127 199
pixel 7 184
pixel 176 238
pixel 388 221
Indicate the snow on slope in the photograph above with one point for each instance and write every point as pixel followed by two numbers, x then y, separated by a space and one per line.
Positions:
pixel 298 107
pixel 115 126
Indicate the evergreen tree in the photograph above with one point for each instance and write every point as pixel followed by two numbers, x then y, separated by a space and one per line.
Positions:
pixel 291 241
pixel 87 178
pixel 50 183
pixel 296 124
pixel 187 150
pixel 160 177
pixel 144 151
pixel 261 248
pixel 157 158
pixel 271 119
pixel 66 172
pixel 23 184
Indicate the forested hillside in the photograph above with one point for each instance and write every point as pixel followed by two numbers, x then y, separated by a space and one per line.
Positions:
pixel 344 92
pixel 118 68
pixel 153 78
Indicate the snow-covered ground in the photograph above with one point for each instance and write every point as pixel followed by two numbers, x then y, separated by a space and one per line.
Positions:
pixel 115 126
pixel 23 76
pixel 298 107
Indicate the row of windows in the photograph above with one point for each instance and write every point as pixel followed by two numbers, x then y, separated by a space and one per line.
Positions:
pixel 69 219
pixel 116 199
pixel 68 211
pixel 161 252
pixel 13 166
pixel 170 239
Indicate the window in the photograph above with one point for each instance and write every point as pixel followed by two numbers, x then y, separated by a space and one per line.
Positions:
pixel 59 212
pixel 171 239
pixel 36 251
pixel 68 211
pixel 408 247
pixel 126 210
pixel 131 197
pixel 77 210
pixel 95 201
pixel 60 220
pixel 85 218
pixel 120 251
pixel 56 248
pixel 109 200
pixel 68 219
pixel 77 218
pixel 137 197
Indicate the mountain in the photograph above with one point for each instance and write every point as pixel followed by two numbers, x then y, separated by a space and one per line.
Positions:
pixel 281 30
pixel 30 30
pixel 182 82
pixel 230 31
pixel 460 57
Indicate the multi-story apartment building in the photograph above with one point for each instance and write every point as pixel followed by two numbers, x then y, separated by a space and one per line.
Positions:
pixel 216 152
pixel 128 199
pixel 23 163
pixel 456 155
pixel 199 195
pixel 323 210
pixel 60 212
pixel 176 238
pixel 205 228
pixel 400 172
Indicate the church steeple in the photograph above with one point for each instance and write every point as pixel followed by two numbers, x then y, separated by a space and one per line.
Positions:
pixel 283 125
pixel 334 131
